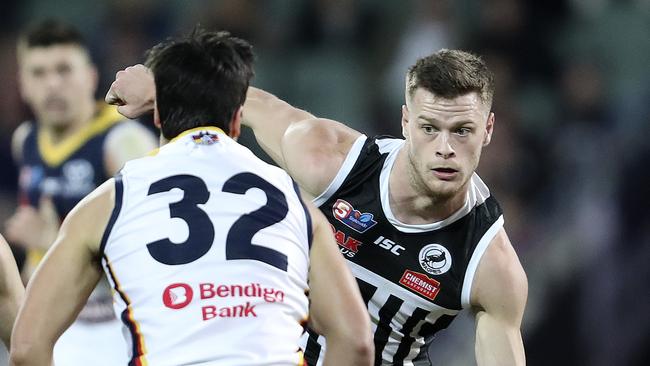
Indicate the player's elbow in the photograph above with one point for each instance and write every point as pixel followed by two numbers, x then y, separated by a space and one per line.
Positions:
pixel 365 349
pixel 356 337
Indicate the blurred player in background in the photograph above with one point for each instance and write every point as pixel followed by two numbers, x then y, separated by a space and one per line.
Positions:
pixel 419 228
pixel 11 291
pixel 207 247
pixel 74 144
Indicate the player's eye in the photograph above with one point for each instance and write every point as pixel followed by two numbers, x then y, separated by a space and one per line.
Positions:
pixel 63 69
pixel 463 131
pixel 428 129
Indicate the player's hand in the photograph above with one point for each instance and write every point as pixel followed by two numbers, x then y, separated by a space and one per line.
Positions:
pixel 34 228
pixel 133 91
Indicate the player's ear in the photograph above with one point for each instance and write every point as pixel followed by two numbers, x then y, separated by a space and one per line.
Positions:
pixel 156 116
pixel 489 127
pixel 234 127
pixel 405 121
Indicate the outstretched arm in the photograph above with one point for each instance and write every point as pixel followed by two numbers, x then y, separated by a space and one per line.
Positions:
pixel 499 296
pixel 63 281
pixel 11 291
pixel 311 149
pixel 337 310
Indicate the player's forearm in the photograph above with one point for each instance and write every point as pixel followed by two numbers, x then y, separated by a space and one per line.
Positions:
pixel 269 117
pixel 498 345
pixel 9 304
pixel 7 316
pixel 352 351
pixel 30 354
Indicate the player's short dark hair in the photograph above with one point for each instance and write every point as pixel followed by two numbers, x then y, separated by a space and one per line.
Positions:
pixel 452 73
pixel 201 80
pixel 50 32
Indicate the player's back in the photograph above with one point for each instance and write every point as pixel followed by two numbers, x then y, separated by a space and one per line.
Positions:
pixel 208 251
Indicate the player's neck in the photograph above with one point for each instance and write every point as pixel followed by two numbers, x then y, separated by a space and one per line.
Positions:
pixel 411 204
pixel 61 132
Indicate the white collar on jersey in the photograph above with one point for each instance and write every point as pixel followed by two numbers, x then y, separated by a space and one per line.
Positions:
pixel 477 194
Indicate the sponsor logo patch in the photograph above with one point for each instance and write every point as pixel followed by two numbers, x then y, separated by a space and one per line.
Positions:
pixel 242 298
pixel 354 219
pixel 348 245
pixel 420 283
pixel 435 259
pixel 177 295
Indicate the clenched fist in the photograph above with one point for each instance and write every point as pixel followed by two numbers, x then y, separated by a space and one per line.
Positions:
pixel 133 91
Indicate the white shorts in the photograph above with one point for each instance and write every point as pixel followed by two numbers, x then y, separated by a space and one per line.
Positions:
pixel 97 344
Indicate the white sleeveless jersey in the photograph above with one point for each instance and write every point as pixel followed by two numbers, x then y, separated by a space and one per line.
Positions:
pixel 207 250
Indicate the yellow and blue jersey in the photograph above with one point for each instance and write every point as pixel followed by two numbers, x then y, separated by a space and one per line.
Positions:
pixel 68 170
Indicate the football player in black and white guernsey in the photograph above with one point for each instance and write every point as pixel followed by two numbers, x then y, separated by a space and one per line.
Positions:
pixel 420 230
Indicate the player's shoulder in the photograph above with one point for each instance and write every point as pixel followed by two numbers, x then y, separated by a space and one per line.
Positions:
pixel 85 219
pixel 129 131
pixel 18 138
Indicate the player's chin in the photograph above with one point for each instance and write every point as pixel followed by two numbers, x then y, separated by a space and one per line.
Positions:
pixel 444 188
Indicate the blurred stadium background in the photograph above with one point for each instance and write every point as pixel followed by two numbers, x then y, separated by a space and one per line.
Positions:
pixel 569 159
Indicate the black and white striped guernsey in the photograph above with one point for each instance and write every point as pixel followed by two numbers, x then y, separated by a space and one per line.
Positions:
pixel 414 278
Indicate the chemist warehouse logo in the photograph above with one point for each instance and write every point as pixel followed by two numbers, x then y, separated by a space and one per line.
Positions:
pixel 354 219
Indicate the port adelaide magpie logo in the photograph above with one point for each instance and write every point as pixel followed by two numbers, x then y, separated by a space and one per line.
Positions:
pixel 435 259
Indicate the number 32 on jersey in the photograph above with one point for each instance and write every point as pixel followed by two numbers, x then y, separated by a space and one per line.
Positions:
pixel 201 230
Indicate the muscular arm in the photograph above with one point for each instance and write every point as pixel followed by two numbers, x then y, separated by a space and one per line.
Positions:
pixel 337 310
pixel 311 149
pixel 63 281
pixel 499 296
pixel 11 291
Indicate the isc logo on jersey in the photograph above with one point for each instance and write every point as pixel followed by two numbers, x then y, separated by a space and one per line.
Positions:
pixel 354 219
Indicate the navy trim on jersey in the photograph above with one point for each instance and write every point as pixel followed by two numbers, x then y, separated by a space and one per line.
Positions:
pixel 137 346
pixel 312 349
pixel 119 189
pixel 307 215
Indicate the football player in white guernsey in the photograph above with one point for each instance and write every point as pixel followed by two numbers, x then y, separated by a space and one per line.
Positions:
pixel 213 256
pixel 11 291
pixel 392 202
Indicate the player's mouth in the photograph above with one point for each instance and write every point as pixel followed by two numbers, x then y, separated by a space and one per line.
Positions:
pixel 445 173
pixel 56 104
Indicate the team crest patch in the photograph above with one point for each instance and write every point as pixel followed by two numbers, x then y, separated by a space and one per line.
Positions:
pixel 205 138
pixel 420 283
pixel 435 259
pixel 354 219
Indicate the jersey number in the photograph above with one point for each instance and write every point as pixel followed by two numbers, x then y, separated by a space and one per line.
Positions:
pixel 201 229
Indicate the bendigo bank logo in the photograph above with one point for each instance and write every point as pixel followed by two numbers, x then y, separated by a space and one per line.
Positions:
pixel 177 295
pixel 354 219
